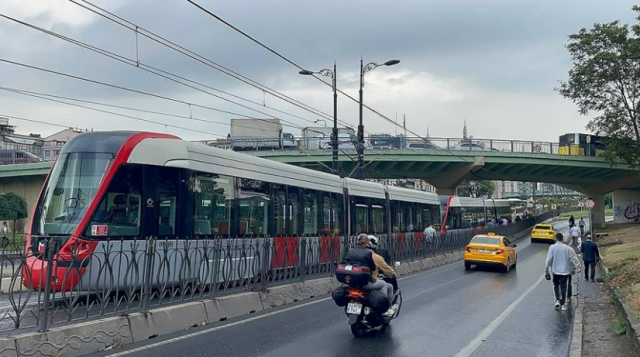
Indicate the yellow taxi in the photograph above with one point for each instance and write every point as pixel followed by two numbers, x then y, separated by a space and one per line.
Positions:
pixel 544 233
pixel 490 250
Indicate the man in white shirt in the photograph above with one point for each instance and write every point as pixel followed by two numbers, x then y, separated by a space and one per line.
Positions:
pixel 575 236
pixel 560 262
pixel 430 233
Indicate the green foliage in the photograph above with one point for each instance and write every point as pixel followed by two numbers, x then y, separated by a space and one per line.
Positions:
pixel 605 80
pixel 620 326
pixel 13 207
pixel 18 204
pixel 482 188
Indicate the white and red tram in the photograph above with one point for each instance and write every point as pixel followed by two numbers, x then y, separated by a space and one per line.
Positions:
pixel 126 187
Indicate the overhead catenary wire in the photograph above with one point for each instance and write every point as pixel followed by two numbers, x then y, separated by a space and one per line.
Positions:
pixel 128 116
pixel 156 71
pixel 318 78
pixel 34 121
pixel 158 96
pixel 199 58
pixel 291 62
pixel 147 111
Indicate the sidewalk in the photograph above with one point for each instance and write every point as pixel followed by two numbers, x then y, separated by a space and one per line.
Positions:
pixel 598 335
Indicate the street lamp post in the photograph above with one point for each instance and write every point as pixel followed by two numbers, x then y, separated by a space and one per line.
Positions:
pixel 320 120
pixel 360 148
pixel 334 134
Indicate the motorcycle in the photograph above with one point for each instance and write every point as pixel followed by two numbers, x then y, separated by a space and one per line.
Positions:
pixel 362 315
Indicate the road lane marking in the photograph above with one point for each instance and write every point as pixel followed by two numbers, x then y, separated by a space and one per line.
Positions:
pixel 198 333
pixel 202 332
pixel 482 336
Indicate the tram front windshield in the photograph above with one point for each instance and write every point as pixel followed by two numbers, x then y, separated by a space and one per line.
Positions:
pixel 71 188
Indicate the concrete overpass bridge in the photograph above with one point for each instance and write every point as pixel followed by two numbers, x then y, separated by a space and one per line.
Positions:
pixel 446 169
pixel 443 168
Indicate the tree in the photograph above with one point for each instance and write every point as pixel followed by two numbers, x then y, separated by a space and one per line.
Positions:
pixel 605 79
pixel 13 207
pixel 481 188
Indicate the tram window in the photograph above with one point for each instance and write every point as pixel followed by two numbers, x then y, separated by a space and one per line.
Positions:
pixel 119 209
pixel 377 219
pixel 326 213
pixel 280 209
pixel 337 211
pixel 167 181
pixel 294 211
pixel 310 212
pixel 454 218
pixel 362 218
pixel 213 203
pixel 254 207
pixel 332 213
pixel 408 216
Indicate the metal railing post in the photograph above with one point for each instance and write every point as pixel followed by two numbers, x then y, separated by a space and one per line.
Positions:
pixel 150 252
pixel 50 248
pixel 303 258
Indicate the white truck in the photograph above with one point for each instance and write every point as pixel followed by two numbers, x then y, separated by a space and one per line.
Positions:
pixel 259 135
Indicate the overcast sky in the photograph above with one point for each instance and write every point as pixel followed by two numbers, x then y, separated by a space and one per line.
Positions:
pixel 494 63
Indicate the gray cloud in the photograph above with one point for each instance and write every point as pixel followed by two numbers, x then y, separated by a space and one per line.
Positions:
pixel 491 49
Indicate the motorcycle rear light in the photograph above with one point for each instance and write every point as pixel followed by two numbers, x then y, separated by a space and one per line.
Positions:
pixel 361 269
pixel 355 269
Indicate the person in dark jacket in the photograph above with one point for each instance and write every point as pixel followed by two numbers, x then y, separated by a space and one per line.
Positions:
pixel 363 256
pixel 590 255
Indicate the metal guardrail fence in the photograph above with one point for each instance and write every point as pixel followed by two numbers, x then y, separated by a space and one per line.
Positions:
pixel 124 276
pixel 49 153
pixel 402 143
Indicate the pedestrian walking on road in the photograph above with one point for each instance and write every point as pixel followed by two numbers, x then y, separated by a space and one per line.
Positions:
pixel 581 224
pixel 576 241
pixel 559 261
pixel 590 256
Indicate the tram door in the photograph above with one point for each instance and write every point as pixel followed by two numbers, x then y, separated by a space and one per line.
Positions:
pixel 161 186
pixel 286 210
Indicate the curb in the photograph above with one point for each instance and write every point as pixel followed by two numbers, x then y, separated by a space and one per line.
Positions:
pixel 119 331
pixel 575 347
pixel 622 308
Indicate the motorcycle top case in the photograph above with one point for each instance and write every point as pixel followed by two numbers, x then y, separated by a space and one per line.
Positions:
pixel 353 274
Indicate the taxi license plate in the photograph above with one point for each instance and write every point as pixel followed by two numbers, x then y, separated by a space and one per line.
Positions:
pixel 354 308
pixel 483 251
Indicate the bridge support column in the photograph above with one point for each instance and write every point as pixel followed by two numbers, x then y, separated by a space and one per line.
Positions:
pixel 626 206
pixel 596 192
pixel 597 213
pixel 447 183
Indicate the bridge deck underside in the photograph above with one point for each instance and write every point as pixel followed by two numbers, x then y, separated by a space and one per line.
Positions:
pixel 382 164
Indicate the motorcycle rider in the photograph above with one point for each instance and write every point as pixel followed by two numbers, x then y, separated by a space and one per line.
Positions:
pixel 361 255
pixel 384 266
pixel 373 245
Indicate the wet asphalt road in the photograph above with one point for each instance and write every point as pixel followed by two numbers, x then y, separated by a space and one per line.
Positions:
pixel 446 311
